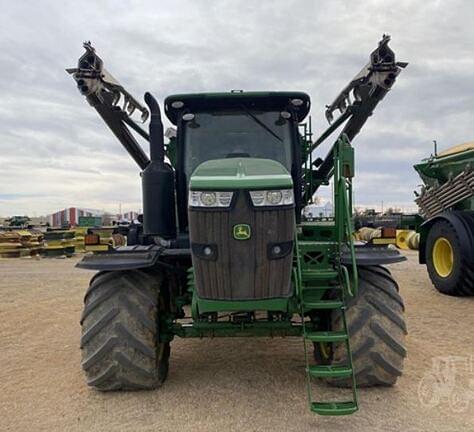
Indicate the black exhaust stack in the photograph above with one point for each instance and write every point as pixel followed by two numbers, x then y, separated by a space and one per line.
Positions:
pixel 158 182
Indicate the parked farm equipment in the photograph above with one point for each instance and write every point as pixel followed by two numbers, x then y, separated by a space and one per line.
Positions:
pixel 222 237
pixel 447 202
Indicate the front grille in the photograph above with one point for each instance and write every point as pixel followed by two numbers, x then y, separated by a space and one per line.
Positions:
pixel 241 269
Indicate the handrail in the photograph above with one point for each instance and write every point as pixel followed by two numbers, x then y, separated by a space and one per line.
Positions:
pixel 343 217
pixel 350 242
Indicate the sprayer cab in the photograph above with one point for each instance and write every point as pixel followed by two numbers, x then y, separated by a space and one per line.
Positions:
pixel 226 126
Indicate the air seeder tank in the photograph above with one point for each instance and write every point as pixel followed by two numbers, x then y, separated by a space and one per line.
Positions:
pixel 447 202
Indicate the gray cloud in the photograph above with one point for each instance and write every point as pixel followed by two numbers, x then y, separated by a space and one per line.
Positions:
pixel 55 151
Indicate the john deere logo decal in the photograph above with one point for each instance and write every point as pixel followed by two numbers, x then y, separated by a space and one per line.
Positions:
pixel 242 232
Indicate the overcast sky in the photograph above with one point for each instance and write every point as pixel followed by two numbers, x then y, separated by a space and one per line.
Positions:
pixel 55 152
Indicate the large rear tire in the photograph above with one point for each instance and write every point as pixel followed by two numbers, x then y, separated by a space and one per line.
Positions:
pixel 450 270
pixel 377 329
pixel 120 332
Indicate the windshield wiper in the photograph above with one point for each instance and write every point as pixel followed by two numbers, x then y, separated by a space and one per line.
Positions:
pixel 260 123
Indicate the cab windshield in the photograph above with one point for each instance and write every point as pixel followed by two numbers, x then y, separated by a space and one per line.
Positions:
pixel 246 133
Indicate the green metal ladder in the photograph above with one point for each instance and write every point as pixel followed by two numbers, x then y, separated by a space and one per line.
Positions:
pixel 315 277
pixel 316 274
pixel 313 283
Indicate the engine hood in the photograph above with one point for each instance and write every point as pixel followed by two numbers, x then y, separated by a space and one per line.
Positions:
pixel 240 173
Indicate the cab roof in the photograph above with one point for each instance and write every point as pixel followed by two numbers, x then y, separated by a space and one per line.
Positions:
pixel 267 101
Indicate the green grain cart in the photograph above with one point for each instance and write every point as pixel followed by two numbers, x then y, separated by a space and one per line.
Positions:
pixel 223 251
pixel 447 202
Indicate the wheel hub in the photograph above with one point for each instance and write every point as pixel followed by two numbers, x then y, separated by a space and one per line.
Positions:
pixel 443 257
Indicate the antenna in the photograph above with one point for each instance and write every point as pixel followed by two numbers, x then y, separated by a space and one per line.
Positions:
pixel 435 144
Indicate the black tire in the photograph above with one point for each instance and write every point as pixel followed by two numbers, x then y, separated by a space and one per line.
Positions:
pixel 377 329
pixel 120 329
pixel 460 281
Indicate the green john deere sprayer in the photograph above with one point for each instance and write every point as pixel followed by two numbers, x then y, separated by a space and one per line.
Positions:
pixel 447 202
pixel 223 250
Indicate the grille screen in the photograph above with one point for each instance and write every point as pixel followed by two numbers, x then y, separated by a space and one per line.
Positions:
pixel 241 269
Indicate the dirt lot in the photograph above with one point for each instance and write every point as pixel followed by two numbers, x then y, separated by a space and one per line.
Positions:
pixel 213 385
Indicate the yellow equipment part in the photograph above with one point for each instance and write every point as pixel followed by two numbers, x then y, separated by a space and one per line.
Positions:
pixel 9 245
pixel 55 244
pixel 402 239
pixel 457 149
pixel 25 236
pixel 384 241
pixel 14 252
pixel 80 232
pixel 79 245
pixel 443 257
pixel 97 248
pixel 10 250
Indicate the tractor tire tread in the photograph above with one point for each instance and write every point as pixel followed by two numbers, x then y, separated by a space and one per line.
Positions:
pixel 120 330
pixel 377 330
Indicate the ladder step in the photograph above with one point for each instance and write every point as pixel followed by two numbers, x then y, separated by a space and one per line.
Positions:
pixel 314 288
pixel 329 371
pixel 326 336
pixel 319 274
pixel 312 243
pixel 323 304
pixel 334 408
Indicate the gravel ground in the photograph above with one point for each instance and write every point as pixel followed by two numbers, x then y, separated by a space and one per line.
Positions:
pixel 213 385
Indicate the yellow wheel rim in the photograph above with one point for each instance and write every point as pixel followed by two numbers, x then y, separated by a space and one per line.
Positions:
pixel 443 257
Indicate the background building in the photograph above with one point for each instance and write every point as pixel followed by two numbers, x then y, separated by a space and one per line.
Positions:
pixel 70 216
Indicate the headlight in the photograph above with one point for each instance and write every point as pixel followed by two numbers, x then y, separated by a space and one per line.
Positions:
pixel 277 197
pixel 210 199
pixel 274 197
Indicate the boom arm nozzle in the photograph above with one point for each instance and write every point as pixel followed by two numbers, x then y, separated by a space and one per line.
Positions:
pixel 94 80
pixel 377 76
pixel 357 101
pixel 113 103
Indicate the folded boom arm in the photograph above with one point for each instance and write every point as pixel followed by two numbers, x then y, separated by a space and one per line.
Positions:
pixel 356 103
pixel 113 103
